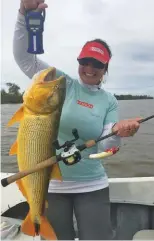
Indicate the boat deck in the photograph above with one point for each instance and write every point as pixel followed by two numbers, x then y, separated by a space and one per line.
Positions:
pixel 132 207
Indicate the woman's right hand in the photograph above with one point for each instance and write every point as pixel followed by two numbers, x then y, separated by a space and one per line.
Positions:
pixel 32 4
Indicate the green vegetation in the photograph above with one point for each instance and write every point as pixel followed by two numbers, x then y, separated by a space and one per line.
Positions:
pixel 132 97
pixel 13 96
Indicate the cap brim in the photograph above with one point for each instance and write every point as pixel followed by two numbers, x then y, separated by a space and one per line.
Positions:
pixel 94 56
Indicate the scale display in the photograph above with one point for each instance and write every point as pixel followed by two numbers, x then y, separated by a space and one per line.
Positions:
pixel 34 22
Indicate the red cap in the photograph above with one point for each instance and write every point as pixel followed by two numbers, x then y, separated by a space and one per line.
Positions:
pixel 95 50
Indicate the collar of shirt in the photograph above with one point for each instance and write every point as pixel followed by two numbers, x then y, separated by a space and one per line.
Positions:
pixel 90 87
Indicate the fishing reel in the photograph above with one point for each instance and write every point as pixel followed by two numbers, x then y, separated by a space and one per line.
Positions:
pixel 70 155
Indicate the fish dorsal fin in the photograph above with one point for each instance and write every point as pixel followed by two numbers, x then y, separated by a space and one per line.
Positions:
pixel 17 117
pixel 14 148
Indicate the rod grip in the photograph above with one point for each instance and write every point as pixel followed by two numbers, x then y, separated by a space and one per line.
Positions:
pixel 13 178
pixel 4 182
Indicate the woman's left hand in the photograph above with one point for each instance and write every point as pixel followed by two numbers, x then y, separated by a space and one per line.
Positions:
pixel 127 128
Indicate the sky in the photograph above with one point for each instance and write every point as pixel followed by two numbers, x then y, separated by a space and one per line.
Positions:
pixel 126 25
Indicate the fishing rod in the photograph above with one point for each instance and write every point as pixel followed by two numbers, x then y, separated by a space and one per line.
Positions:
pixel 70 155
pixel 87 144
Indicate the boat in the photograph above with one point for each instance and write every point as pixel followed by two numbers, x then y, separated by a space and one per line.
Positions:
pixel 132 209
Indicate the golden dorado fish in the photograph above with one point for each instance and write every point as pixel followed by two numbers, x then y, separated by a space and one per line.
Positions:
pixel 39 118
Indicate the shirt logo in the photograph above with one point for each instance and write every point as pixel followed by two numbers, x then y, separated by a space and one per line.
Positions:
pixel 79 102
pixel 97 50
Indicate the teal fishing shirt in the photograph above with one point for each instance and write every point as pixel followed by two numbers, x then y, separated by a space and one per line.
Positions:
pixel 90 112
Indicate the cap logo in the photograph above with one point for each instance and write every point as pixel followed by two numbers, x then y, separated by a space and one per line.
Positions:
pixel 97 50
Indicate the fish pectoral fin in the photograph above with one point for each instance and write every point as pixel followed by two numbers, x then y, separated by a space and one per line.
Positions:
pixel 46 204
pixel 56 173
pixel 46 230
pixel 14 148
pixel 17 117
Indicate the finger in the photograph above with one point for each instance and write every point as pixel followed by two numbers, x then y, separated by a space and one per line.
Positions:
pixel 135 119
pixel 42 6
pixel 127 130
pixel 132 130
pixel 121 129
pixel 134 125
pixel 131 124
pixel 137 125
pixel 123 133
pixel 126 126
pixel 30 4
pixel 138 118
pixel 40 1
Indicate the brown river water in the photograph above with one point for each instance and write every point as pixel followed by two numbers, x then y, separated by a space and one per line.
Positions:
pixel 135 158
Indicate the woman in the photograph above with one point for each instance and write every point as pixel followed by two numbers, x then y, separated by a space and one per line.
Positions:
pixel 94 112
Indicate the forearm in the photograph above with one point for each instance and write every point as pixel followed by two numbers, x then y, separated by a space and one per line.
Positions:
pixel 113 141
pixel 22 8
pixel 25 61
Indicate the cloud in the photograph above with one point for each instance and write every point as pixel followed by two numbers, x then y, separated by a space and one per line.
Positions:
pixel 126 25
pixel 94 8
pixel 137 50
pixel 143 53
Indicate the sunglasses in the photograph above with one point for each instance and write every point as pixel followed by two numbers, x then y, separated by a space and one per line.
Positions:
pixel 95 63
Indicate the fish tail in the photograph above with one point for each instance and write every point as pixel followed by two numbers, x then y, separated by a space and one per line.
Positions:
pixel 28 226
pixel 37 228
pixel 44 229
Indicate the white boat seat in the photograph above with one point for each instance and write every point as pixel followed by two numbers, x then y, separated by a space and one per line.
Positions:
pixel 144 235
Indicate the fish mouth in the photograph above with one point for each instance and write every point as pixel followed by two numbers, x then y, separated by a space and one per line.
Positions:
pixel 49 74
pixel 50 79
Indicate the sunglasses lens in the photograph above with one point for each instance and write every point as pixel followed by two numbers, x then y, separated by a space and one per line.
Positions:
pixel 95 63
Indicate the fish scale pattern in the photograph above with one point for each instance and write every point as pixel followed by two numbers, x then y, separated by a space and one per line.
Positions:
pixel 35 139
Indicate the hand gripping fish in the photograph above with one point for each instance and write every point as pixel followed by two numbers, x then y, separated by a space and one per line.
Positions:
pixel 39 118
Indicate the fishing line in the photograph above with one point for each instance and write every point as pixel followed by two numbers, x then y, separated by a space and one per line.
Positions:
pixel 70 155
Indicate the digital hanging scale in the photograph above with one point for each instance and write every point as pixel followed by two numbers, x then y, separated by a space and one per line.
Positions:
pixel 35 27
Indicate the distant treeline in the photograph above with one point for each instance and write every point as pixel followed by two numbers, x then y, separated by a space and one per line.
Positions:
pixel 13 95
pixel 132 97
